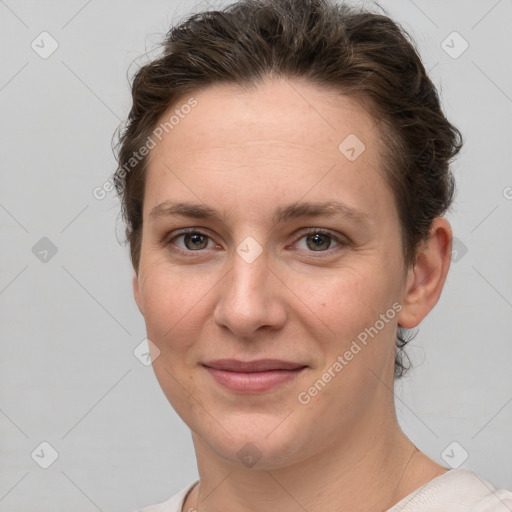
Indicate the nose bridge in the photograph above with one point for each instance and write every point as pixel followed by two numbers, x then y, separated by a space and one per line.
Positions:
pixel 249 296
pixel 250 270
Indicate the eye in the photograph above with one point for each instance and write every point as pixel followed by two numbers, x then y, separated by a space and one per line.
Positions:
pixel 191 240
pixel 317 240
pixel 313 240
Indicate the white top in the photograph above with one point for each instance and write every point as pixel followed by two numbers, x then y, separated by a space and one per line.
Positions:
pixel 457 490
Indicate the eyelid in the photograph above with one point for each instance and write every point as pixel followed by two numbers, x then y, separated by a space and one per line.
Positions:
pixel 341 240
pixel 168 240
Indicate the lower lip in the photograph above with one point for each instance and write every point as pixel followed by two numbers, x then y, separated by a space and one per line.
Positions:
pixel 255 382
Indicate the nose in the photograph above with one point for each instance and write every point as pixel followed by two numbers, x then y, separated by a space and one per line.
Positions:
pixel 251 298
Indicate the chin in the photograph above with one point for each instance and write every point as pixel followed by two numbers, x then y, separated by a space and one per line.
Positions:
pixel 256 443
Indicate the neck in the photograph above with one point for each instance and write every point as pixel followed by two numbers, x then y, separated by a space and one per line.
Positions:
pixel 371 474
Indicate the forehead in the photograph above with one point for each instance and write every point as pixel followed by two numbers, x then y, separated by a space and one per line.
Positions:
pixel 288 111
pixel 282 137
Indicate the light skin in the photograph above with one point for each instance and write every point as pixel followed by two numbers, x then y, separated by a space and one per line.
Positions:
pixel 244 154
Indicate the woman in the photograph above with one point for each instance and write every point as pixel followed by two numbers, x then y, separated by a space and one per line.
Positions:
pixel 284 173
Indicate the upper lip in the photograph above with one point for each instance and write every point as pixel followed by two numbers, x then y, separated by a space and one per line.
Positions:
pixel 261 365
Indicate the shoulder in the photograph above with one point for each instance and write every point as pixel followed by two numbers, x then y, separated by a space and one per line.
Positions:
pixel 173 504
pixel 462 490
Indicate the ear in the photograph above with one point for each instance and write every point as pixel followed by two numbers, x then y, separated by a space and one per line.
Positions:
pixel 136 292
pixel 425 280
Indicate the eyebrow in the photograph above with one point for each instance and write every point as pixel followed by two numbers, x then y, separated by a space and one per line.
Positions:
pixel 281 213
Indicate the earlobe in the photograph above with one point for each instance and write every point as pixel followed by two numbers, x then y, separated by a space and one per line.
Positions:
pixel 425 280
pixel 136 293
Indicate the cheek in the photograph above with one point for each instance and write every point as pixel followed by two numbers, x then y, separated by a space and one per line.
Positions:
pixel 357 307
pixel 173 306
pixel 170 302
pixel 350 298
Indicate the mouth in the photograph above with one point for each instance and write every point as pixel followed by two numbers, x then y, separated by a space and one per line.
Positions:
pixel 253 376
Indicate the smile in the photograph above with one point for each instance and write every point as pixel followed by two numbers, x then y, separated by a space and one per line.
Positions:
pixel 253 377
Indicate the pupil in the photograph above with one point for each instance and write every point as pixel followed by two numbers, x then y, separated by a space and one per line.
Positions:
pixel 196 239
pixel 319 241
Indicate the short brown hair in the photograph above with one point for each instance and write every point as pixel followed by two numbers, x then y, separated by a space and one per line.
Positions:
pixel 361 54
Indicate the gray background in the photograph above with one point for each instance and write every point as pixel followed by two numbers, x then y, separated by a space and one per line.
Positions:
pixel 69 324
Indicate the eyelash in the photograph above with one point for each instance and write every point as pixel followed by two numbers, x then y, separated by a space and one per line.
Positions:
pixel 304 234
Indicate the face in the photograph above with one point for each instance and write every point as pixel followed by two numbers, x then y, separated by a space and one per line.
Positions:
pixel 292 254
